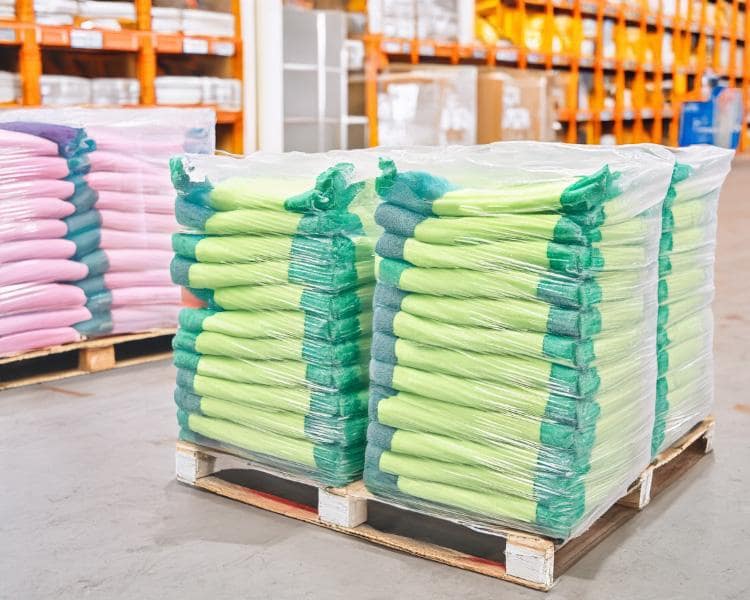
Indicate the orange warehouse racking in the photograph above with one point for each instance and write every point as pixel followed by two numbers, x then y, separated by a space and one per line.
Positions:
pixel 649 87
pixel 140 51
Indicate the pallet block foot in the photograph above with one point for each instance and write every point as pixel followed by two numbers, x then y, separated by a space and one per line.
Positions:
pixel 191 464
pixel 695 443
pixel 530 560
pixel 96 359
pixel 343 511
pixel 640 493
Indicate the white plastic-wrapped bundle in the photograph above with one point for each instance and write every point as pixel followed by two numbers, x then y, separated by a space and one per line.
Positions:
pixel 8 9
pixel 280 247
pixel 513 350
pixel 64 90
pixel 684 392
pixel 207 22
pixel 114 167
pixel 10 87
pixel 55 12
pixel 115 91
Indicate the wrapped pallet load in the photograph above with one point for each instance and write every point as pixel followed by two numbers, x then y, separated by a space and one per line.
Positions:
pixel 49 236
pixel 274 368
pixel 684 391
pixel 120 211
pixel 513 363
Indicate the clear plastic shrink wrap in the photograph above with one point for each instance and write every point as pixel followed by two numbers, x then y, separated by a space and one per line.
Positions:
pixel 513 363
pixel 86 216
pixel 684 389
pixel 280 248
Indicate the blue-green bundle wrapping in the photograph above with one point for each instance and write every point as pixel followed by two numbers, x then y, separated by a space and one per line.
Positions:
pixel 274 368
pixel 514 319
pixel 684 390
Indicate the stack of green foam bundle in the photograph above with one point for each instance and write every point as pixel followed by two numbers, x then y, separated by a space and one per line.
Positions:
pixel 684 390
pixel 514 330
pixel 274 368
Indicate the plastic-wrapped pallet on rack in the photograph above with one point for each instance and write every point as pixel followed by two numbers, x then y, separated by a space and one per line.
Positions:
pixel 514 330
pixel 105 215
pixel 280 247
pixel 684 391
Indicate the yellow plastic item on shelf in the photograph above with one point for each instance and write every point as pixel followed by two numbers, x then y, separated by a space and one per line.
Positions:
pixel 484 31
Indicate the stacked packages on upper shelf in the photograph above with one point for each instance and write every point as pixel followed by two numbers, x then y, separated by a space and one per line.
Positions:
pixel 686 259
pixel 87 199
pixel 280 248
pixel 514 356
pixel 49 236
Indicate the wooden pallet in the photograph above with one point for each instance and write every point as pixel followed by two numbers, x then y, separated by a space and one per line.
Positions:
pixel 528 559
pixel 87 356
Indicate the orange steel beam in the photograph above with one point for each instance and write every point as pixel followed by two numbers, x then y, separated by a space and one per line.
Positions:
pixel 522 37
pixel 238 127
pixel 547 33
pixel 678 43
pixel 701 50
pixel 598 103
pixel 733 43
pixel 572 102
pixel 372 64
pixel 717 41
pixel 30 55
pixel 639 83
pixel 146 64
pixel 619 75
pixel 657 133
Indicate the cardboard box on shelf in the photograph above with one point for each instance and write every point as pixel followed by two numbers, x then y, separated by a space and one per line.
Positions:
pixel 514 104
pixel 427 105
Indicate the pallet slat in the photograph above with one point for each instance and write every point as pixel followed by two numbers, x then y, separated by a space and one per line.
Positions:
pixel 529 559
pixel 87 356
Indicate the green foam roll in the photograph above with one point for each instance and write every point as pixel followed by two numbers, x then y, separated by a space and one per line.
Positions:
pixel 205 380
pixel 427 194
pixel 534 255
pixel 291 297
pixel 265 222
pixel 511 283
pixel 408 411
pixel 564 493
pixel 331 190
pixel 274 324
pixel 508 313
pixel 483 505
pixel 514 370
pixel 272 349
pixel 212 275
pixel 325 429
pixel 249 249
pixel 329 464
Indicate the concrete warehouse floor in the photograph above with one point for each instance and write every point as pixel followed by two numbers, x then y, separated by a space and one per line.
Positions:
pixel 89 506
